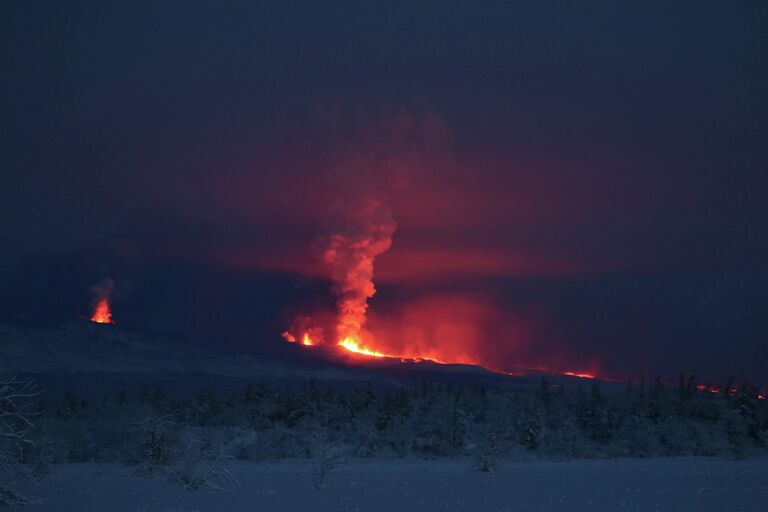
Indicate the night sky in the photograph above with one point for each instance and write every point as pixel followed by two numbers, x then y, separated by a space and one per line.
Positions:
pixel 583 183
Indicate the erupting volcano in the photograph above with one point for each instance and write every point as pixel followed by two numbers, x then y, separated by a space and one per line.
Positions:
pixel 101 292
pixel 348 253
pixel 102 314
pixel 443 329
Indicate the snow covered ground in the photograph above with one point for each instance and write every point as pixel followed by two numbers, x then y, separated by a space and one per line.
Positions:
pixel 682 484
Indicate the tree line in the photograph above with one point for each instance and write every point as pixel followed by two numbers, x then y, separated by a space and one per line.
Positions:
pixel 154 429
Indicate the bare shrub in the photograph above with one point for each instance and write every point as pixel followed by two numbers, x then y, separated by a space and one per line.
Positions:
pixel 329 461
pixel 156 441
pixel 200 466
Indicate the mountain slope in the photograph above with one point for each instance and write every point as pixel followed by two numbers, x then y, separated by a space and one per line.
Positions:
pixel 95 356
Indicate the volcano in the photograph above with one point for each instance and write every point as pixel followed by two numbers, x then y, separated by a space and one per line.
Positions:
pixel 89 357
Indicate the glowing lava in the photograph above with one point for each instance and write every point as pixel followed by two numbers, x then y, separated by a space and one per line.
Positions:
pixel 708 389
pixel 102 314
pixel 354 346
pixel 728 390
pixel 306 339
pixel 581 375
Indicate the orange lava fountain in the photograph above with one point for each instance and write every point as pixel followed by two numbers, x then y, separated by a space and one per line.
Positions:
pixel 102 314
pixel 306 339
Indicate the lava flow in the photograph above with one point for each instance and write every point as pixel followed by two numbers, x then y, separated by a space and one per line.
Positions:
pixel 102 314
pixel 581 375
pixel 354 346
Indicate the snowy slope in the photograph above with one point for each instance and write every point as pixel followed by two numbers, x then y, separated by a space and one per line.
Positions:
pixel 84 353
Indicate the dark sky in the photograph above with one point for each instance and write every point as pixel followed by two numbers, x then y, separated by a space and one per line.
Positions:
pixel 594 171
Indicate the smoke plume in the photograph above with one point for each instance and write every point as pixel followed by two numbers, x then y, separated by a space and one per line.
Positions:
pixel 367 159
pixel 349 254
pixel 103 289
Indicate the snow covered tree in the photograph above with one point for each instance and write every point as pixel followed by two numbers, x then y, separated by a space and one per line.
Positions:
pixel 15 443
